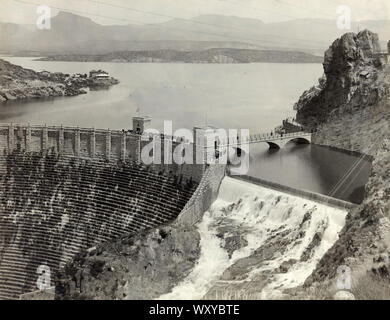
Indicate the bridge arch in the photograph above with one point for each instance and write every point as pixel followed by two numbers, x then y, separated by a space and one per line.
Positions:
pixel 299 140
pixel 281 141
pixel 274 145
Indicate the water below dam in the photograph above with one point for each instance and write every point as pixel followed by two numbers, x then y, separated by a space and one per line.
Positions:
pixel 255 96
pixel 277 240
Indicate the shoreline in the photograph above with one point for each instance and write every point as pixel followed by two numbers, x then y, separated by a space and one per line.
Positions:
pixel 209 56
pixel 21 84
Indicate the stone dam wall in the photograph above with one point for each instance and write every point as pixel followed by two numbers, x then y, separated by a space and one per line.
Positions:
pixel 54 206
pixel 203 197
pixel 66 189
pixel 88 143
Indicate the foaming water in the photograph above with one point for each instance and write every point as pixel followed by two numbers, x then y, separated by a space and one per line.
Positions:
pixel 296 231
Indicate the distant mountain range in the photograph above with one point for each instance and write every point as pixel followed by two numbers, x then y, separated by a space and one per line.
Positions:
pixel 76 34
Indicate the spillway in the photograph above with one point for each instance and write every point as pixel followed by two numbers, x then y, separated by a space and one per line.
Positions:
pixel 256 242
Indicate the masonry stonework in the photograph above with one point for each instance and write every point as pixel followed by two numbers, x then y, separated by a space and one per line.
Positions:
pixel 88 143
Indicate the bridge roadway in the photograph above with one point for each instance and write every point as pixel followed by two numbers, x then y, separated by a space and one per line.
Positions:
pixel 275 141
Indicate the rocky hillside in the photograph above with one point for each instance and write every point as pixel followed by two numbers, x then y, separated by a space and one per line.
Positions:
pixel 350 107
pixel 20 83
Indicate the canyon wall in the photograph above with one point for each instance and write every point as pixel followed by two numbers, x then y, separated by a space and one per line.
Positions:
pixel 350 109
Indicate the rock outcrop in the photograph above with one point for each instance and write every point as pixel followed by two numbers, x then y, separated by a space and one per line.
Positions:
pixel 19 83
pixel 350 81
pixel 352 97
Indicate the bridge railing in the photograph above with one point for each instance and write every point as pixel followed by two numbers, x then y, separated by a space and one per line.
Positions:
pixel 52 128
pixel 270 137
pixel 264 137
pixel 145 135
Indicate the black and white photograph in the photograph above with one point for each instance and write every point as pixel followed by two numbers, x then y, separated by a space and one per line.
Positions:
pixel 213 151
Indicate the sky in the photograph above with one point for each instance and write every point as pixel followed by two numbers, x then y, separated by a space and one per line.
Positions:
pixel 110 12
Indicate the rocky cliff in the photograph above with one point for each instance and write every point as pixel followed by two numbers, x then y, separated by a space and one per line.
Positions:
pixel 350 108
pixel 351 98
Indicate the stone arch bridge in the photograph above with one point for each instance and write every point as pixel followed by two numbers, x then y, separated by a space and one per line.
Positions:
pixel 275 141
pixel 278 141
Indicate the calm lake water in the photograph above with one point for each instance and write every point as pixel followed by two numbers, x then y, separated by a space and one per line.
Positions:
pixel 252 96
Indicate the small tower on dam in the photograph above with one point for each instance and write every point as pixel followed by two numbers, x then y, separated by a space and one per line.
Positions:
pixel 206 144
pixel 141 123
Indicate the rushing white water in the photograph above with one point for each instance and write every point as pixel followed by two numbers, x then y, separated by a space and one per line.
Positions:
pixel 298 231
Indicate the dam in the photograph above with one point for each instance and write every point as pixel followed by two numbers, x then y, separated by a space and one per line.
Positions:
pixel 88 143
pixel 64 190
